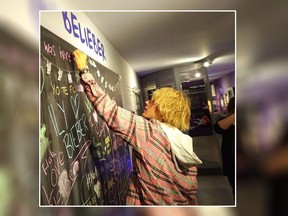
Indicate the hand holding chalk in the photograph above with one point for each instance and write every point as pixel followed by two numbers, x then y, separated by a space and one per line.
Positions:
pixel 80 59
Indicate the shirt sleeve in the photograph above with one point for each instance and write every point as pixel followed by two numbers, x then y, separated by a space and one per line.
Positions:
pixel 218 129
pixel 135 129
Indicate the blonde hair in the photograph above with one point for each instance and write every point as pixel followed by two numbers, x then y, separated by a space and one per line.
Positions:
pixel 173 106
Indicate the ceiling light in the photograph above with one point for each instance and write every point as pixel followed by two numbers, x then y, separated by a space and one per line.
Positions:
pixel 206 64
pixel 197 75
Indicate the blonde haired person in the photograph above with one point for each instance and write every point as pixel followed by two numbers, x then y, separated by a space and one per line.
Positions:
pixel 174 107
pixel 164 171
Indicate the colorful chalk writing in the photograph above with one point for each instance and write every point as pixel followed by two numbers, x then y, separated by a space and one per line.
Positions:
pixel 53 167
pixel 49 48
pixel 70 142
pixel 90 181
pixel 82 162
pixel 64 55
pixel 79 127
pixel 52 156
pixel 63 90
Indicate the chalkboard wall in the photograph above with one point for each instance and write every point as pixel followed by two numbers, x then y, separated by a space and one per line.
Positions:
pixel 82 162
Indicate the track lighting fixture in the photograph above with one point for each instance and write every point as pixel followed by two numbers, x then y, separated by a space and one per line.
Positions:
pixel 207 63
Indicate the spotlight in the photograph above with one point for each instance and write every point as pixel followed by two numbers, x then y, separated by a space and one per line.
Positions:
pixel 197 75
pixel 206 64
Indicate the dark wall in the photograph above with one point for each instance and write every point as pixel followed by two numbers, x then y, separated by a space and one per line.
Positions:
pixel 153 81
pixel 82 162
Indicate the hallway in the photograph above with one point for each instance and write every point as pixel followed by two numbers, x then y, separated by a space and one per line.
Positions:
pixel 214 188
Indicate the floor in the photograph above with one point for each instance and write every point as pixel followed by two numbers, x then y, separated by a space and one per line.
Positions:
pixel 214 187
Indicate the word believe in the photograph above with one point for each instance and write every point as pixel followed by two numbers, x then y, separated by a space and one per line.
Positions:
pixel 73 26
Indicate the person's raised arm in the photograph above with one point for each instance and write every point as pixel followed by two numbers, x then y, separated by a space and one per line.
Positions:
pixel 126 123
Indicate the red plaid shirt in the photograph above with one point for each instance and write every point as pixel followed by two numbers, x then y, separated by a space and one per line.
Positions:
pixel 155 181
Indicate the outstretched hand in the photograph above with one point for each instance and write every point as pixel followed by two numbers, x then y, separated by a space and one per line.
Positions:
pixel 80 59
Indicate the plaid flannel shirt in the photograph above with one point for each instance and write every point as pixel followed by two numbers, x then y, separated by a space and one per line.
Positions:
pixel 154 181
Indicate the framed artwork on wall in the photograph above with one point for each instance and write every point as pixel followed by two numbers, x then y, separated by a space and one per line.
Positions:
pixel 230 93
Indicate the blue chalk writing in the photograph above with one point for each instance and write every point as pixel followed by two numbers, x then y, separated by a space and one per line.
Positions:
pixel 63 110
pixel 54 121
pixel 70 142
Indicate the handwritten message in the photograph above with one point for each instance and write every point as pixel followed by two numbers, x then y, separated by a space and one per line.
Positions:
pixel 82 161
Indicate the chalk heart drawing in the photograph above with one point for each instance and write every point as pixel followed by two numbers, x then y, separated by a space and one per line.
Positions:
pixel 97 189
pixel 75 104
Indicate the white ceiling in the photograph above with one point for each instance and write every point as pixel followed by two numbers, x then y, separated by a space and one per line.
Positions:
pixel 151 41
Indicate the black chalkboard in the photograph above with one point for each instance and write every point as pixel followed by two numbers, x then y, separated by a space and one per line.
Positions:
pixel 82 162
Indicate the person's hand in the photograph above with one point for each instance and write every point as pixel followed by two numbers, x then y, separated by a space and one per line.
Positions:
pixel 80 59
